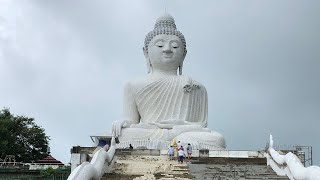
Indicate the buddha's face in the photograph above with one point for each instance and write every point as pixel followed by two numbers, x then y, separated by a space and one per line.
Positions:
pixel 165 52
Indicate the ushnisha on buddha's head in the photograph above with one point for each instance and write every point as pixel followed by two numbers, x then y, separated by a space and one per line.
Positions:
pixel 165 47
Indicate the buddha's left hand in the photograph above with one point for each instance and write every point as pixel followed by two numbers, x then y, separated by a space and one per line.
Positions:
pixel 117 126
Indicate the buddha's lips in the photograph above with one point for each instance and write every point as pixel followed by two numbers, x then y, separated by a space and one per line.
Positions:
pixel 167 55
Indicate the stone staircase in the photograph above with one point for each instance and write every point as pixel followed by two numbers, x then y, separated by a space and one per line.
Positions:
pixel 176 171
pixel 151 166
pixel 148 167
pixel 232 169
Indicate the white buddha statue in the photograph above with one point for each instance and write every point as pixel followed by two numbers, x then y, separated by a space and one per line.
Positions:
pixel 166 104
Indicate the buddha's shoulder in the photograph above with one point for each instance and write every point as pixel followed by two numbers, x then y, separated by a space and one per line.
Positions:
pixel 136 84
pixel 191 81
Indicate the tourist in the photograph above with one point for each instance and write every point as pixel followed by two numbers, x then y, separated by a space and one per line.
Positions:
pixel 171 152
pixel 189 151
pixel 130 146
pixel 180 155
pixel 179 144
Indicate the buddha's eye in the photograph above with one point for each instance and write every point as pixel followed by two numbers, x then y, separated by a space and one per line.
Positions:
pixel 159 44
pixel 174 45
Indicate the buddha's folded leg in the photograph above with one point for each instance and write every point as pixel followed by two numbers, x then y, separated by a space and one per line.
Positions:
pixel 198 137
pixel 144 138
pixel 203 140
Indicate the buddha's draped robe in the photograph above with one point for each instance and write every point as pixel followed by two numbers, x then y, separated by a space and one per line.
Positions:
pixel 153 103
pixel 174 98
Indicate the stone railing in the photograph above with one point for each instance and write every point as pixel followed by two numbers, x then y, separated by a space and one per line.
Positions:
pixel 145 144
pixel 163 145
pixel 200 145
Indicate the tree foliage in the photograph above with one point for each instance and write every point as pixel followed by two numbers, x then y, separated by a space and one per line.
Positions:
pixel 21 137
pixel 59 173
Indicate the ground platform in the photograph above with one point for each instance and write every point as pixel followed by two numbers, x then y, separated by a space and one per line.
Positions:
pixel 218 165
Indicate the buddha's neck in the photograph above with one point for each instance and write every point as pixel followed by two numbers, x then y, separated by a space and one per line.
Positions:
pixel 163 73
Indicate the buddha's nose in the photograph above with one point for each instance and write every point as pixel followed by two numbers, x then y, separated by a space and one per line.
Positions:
pixel 167 48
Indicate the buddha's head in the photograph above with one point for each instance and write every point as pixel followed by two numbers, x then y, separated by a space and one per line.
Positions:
pixel 165 47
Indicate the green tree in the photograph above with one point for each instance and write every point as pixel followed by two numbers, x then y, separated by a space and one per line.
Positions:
pixel 20 136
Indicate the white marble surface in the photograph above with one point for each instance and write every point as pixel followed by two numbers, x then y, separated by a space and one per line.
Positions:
pixel 290 165
pixel 166 104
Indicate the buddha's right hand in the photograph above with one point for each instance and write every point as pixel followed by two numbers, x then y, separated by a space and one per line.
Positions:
pixel 116 127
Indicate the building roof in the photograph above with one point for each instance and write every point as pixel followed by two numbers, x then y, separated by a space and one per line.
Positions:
pixel 49 160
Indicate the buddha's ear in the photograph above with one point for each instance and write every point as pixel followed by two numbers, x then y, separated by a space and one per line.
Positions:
pixel 181 65
pixel 149 67
pixel 180 68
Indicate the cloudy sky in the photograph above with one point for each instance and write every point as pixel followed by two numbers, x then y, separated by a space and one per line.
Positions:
pixel 65 63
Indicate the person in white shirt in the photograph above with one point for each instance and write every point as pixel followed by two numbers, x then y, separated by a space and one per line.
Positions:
pixel 181 155
pixel 179 144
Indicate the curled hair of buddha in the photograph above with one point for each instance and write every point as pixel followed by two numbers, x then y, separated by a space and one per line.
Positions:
pixel 165 25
